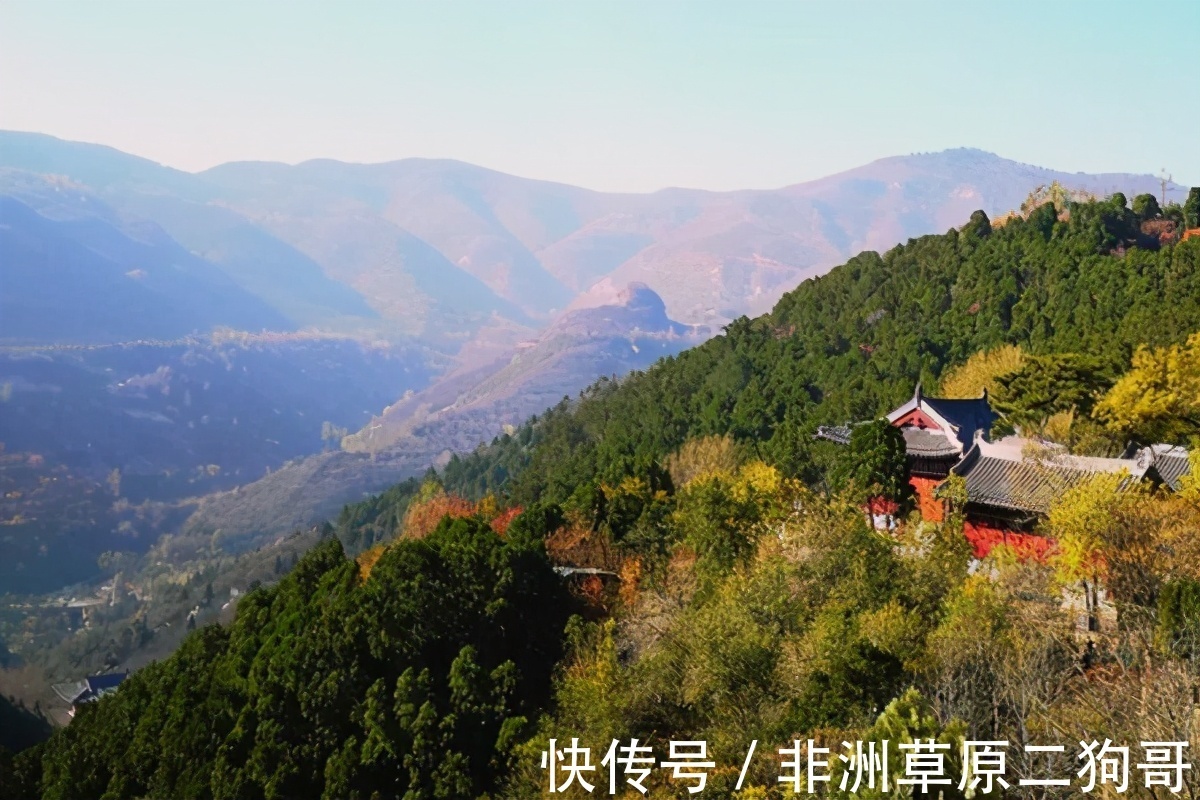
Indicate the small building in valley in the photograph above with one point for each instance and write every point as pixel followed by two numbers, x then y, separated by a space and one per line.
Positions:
pixel 89 690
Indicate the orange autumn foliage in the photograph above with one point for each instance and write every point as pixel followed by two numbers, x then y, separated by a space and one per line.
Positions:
pixel 579 546
pixel 423 516
pixel 501 521
pixel 592 589
pixel 630 576
pixel 367 561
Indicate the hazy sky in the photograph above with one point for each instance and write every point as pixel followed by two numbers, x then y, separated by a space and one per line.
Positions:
pixel 617 95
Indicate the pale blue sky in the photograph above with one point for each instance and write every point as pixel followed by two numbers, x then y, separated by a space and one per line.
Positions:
pixel 615 95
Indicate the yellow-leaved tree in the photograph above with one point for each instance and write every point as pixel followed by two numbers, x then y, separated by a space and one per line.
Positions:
pixel 1110 530
pixel 702 457
pixel 1159 398
pixel 1077 521
pixel 981 371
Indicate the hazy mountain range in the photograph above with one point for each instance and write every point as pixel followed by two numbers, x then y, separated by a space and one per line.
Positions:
pixel 441 248
pixel 486 297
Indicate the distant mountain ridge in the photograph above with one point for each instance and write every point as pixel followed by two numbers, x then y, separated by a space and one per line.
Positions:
pixel 440 248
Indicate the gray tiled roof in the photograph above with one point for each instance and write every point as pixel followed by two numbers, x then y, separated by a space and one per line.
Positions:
pixel 70 692
pixel 834 433
pixel 917 441
pixel 999 475
pixel 90 688
pixel 931 444
pixel 1018 485
pixel 1171 464
pixel 965 418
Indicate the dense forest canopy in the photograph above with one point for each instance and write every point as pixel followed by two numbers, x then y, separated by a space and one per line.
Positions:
pixel 730 586
pixel 417 679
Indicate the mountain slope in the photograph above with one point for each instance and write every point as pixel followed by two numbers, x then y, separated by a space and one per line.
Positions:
pixel 716 256
pixel 465 409
pixel 458 413
pixel 457 208
pixel 259 262
pixel 318 665
pixel 85 281
pixel 852 343
pixel 94 165
pixel 263 265
pixel 327 266
pixel 712 255
pixel 104 448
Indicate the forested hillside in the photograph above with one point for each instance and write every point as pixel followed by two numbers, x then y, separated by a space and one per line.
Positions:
pixel 443 653
pixel 734 590
pixel 851 344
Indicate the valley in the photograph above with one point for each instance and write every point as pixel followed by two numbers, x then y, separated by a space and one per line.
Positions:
pixel 106 447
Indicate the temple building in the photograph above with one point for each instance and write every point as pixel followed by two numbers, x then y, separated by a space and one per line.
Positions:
pixel 938 432
pixel 89 690
pixel 1010 483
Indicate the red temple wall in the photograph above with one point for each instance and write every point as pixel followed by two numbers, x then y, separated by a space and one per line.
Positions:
pixel 1026 546
pixel 982 536
pixel 929 506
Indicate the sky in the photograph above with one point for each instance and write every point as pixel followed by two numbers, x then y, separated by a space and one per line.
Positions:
pixel 619 95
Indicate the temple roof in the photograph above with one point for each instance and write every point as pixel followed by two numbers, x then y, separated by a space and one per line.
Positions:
pixel 959 419
pixel 917 441
pixel 1024 475
pixel 834 433
pixel 90 688
pixel 930 444
pixel 1170 463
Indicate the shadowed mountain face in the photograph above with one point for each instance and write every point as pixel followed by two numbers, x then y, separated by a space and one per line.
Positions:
pixel 93 437
pixel 479 222
pixel 86 281
pixel 314 258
